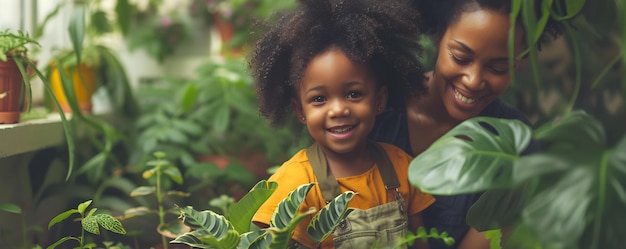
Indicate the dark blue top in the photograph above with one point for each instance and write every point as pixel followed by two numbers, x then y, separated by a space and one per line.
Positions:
pixel 448 212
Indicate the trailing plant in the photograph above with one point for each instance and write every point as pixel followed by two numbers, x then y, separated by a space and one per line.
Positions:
pixel 90 222
pixel 88 23
pixel 212 230
pixel 568 195
pixel 158 172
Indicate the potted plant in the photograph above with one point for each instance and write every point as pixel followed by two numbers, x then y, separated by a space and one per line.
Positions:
pixel 234 19
pixel 14 84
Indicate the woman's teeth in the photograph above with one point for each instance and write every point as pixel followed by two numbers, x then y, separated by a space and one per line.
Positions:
pixel 466 100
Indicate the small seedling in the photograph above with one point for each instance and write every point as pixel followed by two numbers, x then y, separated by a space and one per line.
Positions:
pixel 90 222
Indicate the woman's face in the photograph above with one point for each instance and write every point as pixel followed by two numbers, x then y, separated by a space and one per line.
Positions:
pixel 472 68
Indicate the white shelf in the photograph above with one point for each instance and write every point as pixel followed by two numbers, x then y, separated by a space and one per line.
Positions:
pixel 31 135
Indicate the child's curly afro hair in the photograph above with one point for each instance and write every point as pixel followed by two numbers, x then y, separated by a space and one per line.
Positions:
pixel 383 34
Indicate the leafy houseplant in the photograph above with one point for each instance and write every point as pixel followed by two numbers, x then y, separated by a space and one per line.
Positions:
pixel 14 79
pixel 90 222
pixel 212 116
pixel 159 171
pixel 212 230
pixel 568 195
pixel 234 19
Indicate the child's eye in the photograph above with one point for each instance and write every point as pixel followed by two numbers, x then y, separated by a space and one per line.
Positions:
pixel 318 99
pixel 354 95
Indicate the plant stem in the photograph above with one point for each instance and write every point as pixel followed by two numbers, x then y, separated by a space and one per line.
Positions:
pixel 577 62
pixel 160 200
pixel 597 229
pixel 606 70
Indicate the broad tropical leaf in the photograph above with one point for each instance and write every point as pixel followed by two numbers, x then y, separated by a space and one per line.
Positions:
pixel 476 155
pixel 577 129
pixel 90 224
pixel 11 208
pixel 256 238
pixel 190 240
pixel 241 213
pixel 212 224
pixel 288 207
pixel 280 238
pixel 325 221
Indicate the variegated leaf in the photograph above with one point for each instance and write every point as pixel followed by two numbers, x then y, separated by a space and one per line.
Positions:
pixel 325 221
pixel 288 207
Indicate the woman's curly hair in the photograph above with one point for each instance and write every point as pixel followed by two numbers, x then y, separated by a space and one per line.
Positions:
pixel 383 34
pixel 437 15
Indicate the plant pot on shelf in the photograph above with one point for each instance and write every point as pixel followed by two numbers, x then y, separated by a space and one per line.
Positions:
pixel 83 88
pixel 226 31
pixel 11 92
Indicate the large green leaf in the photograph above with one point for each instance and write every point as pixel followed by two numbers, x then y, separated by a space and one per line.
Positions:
pixel 255 239
pixel 241 213
pixel 577 129
pixel 280 238
pixel 289 207
pixel 476 155
pixel 210 224
pixel 76 30
pixel 325 221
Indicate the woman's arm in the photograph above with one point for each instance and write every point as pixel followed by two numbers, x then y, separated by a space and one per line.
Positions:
pixel 474 240
pixel 415 221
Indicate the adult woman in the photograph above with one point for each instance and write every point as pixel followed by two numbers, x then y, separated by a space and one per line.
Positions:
pixel 470 72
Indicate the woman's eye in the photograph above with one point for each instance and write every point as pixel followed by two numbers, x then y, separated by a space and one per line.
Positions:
pixel 458 59
pixel 500 70
pixel 354 95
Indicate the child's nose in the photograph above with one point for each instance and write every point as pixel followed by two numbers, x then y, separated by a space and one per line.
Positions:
pixel 339 108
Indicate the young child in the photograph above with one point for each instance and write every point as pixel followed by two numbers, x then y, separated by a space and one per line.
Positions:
pixel 336 63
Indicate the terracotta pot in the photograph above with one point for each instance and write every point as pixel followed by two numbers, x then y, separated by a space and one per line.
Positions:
pixel 11 92
pixel 226 31
pixel 83 89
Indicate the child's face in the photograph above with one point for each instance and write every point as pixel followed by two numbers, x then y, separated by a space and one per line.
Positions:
pixel 338 101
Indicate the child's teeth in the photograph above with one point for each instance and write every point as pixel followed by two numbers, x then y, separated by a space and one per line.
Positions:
pixel 341 130
pixel 463 99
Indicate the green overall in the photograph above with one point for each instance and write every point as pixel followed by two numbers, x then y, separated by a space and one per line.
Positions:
pixel 378 227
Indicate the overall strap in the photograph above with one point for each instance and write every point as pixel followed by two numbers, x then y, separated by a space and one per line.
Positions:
pixel 325 179
pixel 327 182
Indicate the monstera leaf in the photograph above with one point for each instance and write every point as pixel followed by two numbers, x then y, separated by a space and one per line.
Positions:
pixel 571 194
pixel 476 155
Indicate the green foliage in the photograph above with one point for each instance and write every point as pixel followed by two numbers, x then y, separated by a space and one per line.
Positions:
pixel 483 148
pixel 425 235
pixel 212 114
pixel 90 222
pixel 14 44
pixel 567 194
pixel 159 170
pixel 11 208
pixel 212 230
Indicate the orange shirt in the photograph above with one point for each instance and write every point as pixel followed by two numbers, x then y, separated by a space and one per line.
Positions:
pixel 369 186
